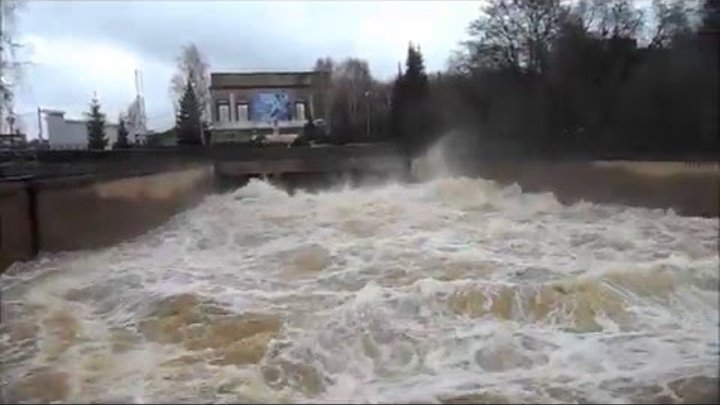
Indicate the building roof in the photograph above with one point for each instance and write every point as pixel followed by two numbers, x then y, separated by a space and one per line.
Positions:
pixel 84 121
pixel 54 112
pixel 225 80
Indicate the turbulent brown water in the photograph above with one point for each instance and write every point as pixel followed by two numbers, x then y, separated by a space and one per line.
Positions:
pixel 451 290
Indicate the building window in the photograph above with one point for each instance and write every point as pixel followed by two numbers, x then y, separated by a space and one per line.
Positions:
pixel 242 112
pixel 223 111
pixel 300 110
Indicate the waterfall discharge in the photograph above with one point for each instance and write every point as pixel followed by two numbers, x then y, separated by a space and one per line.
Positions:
pixel 451 290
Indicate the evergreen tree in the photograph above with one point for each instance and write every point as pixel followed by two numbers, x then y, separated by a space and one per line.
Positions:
pixel 188 124
pixel 396 105
pixel 416 80
pixel 122 141
pixel 96 126
pixel 411 117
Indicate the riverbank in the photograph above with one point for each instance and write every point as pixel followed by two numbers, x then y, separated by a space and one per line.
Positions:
pixel 689 190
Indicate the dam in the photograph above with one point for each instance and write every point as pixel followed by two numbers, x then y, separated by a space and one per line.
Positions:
pixel 509 286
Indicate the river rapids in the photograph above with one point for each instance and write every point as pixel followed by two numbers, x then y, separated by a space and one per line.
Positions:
pixel 450 290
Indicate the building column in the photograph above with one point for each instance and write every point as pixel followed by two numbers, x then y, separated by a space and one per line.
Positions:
pixel 311 106
pixel 233 110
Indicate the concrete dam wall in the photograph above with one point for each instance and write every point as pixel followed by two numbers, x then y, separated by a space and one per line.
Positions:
pixel 73 213
pixel 86 212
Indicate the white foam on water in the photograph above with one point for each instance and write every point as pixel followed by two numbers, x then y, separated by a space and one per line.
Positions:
pixel 393 293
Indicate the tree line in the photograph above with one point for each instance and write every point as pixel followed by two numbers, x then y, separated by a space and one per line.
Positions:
pixel 550 78
pixel 597 78
pixel 190 93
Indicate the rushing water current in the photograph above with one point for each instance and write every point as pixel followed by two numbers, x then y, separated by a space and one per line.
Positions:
pixel 450 290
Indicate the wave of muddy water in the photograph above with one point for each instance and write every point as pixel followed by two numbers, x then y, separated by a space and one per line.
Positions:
pixel 452 290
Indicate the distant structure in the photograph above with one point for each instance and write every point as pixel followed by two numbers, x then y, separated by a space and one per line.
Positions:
pixel 63 133
pixel 271 104
pixel 13 141
pixel 135 118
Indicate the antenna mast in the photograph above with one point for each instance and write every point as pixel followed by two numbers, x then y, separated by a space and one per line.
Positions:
pixel 4 86
pixel 140 100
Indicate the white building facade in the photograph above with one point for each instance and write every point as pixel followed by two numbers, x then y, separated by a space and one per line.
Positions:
pixel 65 133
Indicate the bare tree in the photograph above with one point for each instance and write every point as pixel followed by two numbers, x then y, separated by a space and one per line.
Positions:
pixel 671 21
pixel 458 63
pixel 513 34
pixel 10 67
pixel 322 87
pixel 351 81
pixel 192 64
pixel 613 18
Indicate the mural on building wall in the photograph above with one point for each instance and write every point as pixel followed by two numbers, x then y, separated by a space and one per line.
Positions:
pixel 270 106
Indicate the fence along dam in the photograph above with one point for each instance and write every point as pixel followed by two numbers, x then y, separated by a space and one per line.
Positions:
pixel 449 289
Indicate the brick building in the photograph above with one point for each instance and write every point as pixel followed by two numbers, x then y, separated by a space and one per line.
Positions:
pixel 248 104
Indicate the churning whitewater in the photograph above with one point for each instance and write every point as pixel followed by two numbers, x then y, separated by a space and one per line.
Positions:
pixel 452 290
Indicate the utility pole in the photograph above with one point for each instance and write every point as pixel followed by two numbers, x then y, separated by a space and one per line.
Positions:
pixel 40 132
pixel 140 97
pixel 7 61
pixel 11 123
pixel 3 88
pixel 367 115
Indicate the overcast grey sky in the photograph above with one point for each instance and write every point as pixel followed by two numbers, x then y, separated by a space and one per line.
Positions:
pixel 78 47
